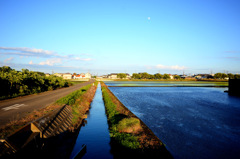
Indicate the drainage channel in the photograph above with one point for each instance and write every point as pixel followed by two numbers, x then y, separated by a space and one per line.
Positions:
pixel 95 134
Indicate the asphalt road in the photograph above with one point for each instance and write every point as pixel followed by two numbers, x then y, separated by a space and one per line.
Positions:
pixel 12 109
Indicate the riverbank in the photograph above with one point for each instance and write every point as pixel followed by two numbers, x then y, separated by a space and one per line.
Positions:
pixel 130 137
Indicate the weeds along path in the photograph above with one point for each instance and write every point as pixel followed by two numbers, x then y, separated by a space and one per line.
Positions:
pixel 130 137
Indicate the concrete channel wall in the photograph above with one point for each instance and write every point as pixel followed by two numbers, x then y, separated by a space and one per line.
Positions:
pixel 50 125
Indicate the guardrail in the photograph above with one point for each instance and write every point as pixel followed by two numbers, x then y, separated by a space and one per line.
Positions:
pixel 33 133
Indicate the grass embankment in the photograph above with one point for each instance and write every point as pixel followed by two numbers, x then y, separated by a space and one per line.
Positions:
pixel 79 101
pixel 130 137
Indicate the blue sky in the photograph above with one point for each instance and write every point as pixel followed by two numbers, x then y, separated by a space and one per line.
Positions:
pixel 110 36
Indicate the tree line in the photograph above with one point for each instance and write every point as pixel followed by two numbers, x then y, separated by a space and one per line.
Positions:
pixel 145 75
pixel 17 83
pixel 224 75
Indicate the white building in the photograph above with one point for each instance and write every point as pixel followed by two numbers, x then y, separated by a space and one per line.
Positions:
pixel 88 75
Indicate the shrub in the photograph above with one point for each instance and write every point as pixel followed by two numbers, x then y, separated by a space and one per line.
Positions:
pixel 129 125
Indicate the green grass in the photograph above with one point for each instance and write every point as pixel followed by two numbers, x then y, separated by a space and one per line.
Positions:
pixel 71 100
pixel 77 82
pixel 129 125
pixel 116 121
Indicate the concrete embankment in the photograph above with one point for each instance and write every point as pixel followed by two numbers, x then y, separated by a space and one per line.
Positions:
pixel 130 143
pixel 33 135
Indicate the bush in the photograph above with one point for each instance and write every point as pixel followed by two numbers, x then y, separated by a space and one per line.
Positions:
pixel 15 83
pixel 129 125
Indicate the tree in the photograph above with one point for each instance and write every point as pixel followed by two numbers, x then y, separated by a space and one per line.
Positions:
pixel 230 76
pixel 158 76
pixel 220 76
pixel 224 75
pixel 14 83
pixel 136 76
pixel 166 76
pixel 121 75
pixel 145 75
pixel 236 76
pixel 177 77
pixel 5 69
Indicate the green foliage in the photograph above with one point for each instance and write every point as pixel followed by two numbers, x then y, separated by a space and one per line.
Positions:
pixel 127 123
pixel 177 77
pixel 237 76
pixel 16 83
pixel 149 76
pixel 166 76
pixel 114 117
pixel 136 76
pixel 121 75
pixel 220 76
pixel 230 76
pixel 72 97
pixel 158 76
pixel 126 140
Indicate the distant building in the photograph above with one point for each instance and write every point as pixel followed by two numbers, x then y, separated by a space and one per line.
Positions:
pixel 67 76
pixel 58 74
pixel 171 76
pixel 82 75
pixel 47 74
pixel 128 76
pixel 203 76
pixel 113 76
pixel 88 75
pixel 64 75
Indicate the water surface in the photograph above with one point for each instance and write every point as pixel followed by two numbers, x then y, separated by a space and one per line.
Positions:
pixel 165 83
pixel 193 122
pixel 95 133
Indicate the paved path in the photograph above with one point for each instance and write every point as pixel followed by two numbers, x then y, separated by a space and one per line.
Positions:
pixel 12 109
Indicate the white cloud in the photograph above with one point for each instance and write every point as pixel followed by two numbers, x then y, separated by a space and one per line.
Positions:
pixel 8 59
pixel 149 18
pixel 51 62
pixel 30 62
pixel 88 59
pixel 81 59
pixel 176 67
pixel 27 52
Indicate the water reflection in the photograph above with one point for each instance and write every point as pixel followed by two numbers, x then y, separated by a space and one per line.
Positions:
pixel 192 122
pixel 95 133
